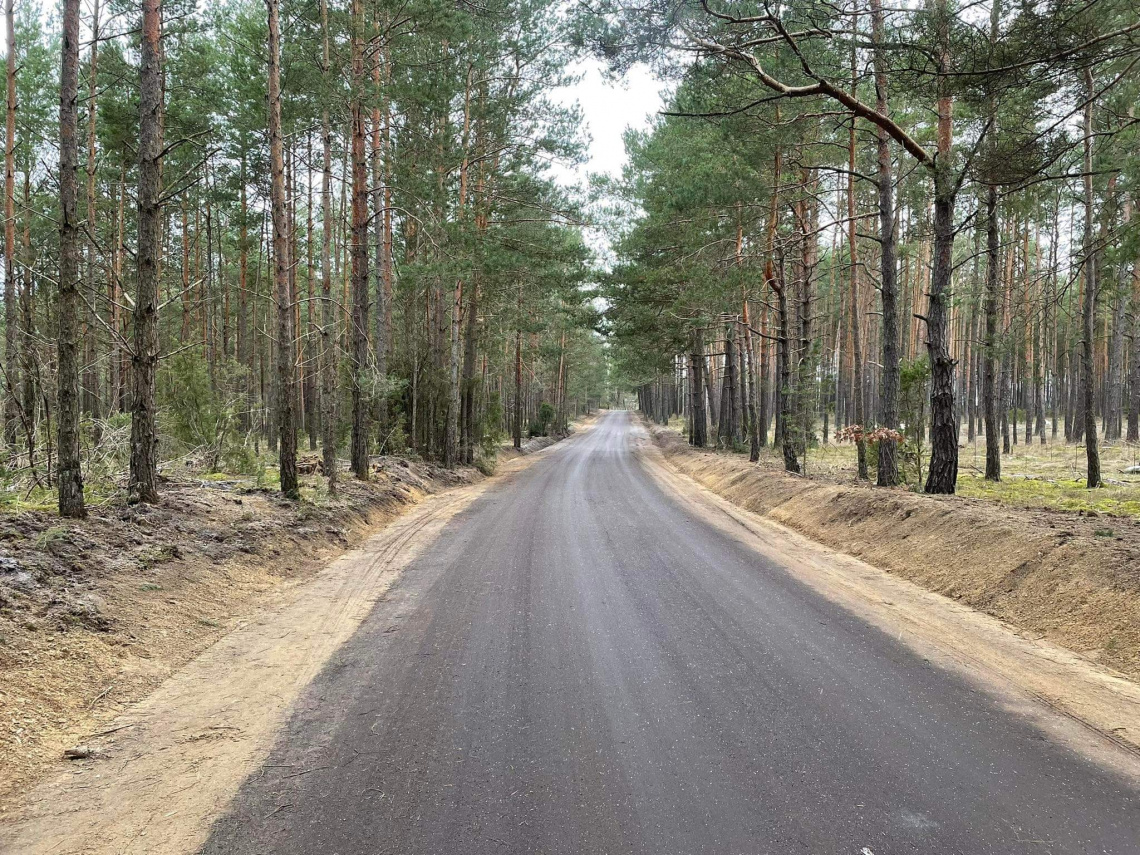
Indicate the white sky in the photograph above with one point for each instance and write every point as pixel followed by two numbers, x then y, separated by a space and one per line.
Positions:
pixel 609 107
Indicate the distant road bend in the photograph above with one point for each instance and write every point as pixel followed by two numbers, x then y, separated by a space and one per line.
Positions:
pixel 580 665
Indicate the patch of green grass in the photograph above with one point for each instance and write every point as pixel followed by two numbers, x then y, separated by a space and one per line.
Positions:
pixel 485 464
pixel 1033 475
pixel 155 555
pixel 50 538
pixel 1065 494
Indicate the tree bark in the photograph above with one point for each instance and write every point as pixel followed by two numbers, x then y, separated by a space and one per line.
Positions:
pixel 91 385
pixel 942 476
pixel 11 299
pixel 359 335
pixel 143 478
pixel 328 310
pixel 454 402
pixel 518 372
pixel 1114 384
pixel 1133 434
pixel 784 369
pixel 699 435
pixel 989 343
pixel 857 392
pixel 726 429
pixel 286 425
pixel 69 471
pixel 750 374
pixel 1088 311
pixel 888 474
pixel 379 143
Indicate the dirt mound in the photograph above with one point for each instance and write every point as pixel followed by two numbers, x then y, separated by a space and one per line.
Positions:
pixel 1074 580
pixel 95 614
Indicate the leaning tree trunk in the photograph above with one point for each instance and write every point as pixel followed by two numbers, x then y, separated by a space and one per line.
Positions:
pixel 69 471
pixel 143 479
pixel 286 425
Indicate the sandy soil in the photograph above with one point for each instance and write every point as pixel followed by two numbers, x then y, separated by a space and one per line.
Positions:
pixel 155 776
pixel 95 615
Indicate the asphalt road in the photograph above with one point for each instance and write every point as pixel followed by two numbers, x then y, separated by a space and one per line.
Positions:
pixel 579 665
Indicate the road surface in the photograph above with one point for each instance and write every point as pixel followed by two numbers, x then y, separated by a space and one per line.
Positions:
pixel 580 665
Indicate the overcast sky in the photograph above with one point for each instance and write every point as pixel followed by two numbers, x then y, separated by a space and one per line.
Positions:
pixel 609 107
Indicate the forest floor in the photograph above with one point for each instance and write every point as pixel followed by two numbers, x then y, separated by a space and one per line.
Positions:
pixel 95 614
pixel 1033 475
pixel 1056 563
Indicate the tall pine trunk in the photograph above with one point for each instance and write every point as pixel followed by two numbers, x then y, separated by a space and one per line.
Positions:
pixel 359 333
pixel 451 432
pixel 989 343
pixel 91 385
pixel 285 399
pixel 699 435
pixel 379 127
pixel 942 476
pixel 888 474
pixel 1133 434
pixel 11 299
pixel 858 393
pixel 1088 309
pixel 143 479
pixel 784 371
pixel 328 309
pixel 69 471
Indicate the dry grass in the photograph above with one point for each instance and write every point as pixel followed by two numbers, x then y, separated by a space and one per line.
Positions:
pixel 1050 476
